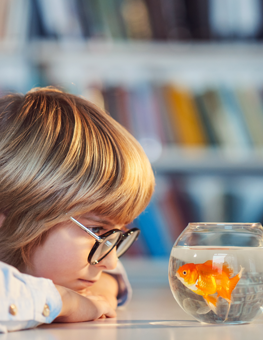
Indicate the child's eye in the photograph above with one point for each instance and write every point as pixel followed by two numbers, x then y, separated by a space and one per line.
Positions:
pixel 97 230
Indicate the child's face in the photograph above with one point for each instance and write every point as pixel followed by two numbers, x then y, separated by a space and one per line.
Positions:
pixel 63 255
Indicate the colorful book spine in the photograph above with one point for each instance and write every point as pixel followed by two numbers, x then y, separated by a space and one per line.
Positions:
pixel 251 107
pixel 155 231
pixel 159 115
pixel 184 117
pixel 159 20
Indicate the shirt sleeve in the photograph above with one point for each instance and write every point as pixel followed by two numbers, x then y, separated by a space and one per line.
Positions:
pixel 26 301
pixel 125 290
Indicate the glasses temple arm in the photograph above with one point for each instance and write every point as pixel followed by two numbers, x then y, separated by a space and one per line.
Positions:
pixel 86 229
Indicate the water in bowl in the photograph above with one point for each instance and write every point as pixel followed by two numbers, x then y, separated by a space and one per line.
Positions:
pixel 247 296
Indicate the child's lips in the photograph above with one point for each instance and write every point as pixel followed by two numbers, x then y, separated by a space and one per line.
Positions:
pixel 87 283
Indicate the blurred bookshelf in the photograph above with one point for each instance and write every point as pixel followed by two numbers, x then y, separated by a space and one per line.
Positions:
pixel 182 76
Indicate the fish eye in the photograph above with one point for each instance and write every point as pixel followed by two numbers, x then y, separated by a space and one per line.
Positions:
pixel 184 272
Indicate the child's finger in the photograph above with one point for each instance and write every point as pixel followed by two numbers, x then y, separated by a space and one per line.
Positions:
pixel 110 314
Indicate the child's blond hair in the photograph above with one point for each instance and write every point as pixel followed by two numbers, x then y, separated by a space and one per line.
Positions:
pixel 60 155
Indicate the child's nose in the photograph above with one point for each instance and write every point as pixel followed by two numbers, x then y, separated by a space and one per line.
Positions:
pixel 110 261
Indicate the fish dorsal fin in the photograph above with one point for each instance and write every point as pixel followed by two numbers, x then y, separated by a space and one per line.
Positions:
pixel 209 263
pixel 207 266
pixel 219 267
pixel 223 267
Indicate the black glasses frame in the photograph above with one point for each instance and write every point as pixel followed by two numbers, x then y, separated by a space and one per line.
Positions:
pixel 125 235
pixel 97 244
pixel 101 238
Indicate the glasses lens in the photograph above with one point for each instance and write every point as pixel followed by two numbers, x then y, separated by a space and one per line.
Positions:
pixel 105 247
pixel 127 241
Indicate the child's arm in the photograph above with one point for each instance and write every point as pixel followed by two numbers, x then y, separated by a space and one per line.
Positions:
pixel 28 301
pixel 114 285
pixel 78 308
pixel 106 286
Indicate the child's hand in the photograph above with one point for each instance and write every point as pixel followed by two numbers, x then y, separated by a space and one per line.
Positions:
pixel 106 286
pixel 78 308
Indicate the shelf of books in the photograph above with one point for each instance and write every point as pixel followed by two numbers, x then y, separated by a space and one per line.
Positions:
pixel 175 20
pixel 188 128
pixel 182 76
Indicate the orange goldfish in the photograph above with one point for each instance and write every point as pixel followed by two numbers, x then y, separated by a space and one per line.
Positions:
pixel 209 278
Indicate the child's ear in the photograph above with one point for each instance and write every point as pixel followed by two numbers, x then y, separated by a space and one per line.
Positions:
pixel 2 218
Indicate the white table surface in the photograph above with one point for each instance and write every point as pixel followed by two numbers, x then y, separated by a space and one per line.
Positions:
pixel 152 314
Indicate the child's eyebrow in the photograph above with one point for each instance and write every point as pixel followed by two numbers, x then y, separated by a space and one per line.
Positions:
pixel 99 220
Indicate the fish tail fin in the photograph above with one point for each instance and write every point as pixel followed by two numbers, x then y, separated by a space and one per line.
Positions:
pixel 228 309
pixel 211 301
pixel 233 282
pixel 241 271
pixel 226 293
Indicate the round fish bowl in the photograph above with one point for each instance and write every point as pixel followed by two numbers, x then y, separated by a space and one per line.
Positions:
pixel 216 272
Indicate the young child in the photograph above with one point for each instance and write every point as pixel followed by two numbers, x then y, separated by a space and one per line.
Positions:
pixel 71 179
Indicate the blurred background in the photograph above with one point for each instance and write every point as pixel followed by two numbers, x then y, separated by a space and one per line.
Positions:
pixel 185 77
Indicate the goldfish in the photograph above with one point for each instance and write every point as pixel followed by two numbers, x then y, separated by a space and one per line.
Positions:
pixel 207 279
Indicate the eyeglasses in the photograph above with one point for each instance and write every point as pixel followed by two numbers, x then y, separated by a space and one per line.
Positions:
pixel 106 242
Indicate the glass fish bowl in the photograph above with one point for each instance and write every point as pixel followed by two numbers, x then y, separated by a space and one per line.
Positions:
pixel 216 272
